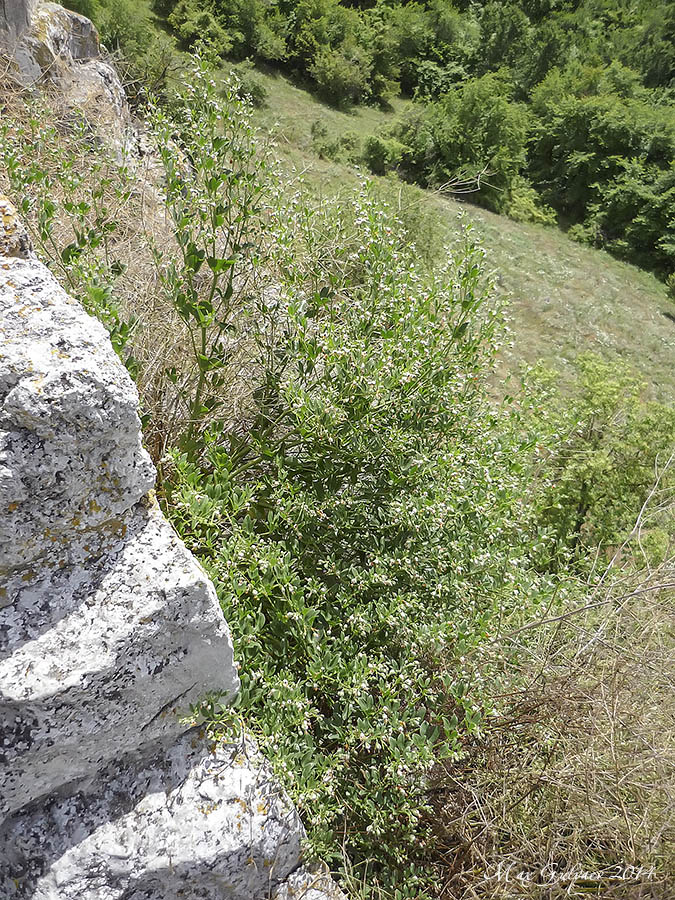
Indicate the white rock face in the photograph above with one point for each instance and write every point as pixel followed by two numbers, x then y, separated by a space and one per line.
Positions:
pixel 187 825
pixel 109 630
pixel 72 460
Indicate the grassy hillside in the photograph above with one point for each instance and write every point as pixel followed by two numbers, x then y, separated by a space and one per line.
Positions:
pixel 564 298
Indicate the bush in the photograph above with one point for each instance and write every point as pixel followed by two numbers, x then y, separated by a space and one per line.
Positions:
pixel 341 79
pixel 433 80
pixel 146 59
pixel 382 155
pixel 122 24
pixel 364 524
pixel 602 154
pixel 366 548
pixel 474 134
pixel 217 190
pixel 251 83
pixel 525 205
pixel 602 449
pixel 634 217
pixel 372 520
pixel 194 23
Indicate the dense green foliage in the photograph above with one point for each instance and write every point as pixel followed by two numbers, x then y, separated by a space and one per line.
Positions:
pixel 360 529
pixel 429 47
pixel 604 449
pixel 542 109
pixel 367 526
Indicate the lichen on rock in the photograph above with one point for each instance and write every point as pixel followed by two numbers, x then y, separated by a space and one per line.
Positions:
pixel 14 240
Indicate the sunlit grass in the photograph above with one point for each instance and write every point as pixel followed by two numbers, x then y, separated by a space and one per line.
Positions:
pixel 564 298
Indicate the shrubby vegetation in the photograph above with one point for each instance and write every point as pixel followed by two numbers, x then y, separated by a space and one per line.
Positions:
pixel 375 516
pixel 372 516
pixel 610 446
pixel 75 221
pixel 379 525
pixel 552 111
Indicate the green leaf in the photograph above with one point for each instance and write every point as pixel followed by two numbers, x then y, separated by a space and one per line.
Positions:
pixel 218 265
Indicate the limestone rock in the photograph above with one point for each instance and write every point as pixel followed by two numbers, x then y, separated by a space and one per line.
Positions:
pixel 103 653
pixel 61 48
pixel 71 457
pixel 109 631
pixel 107 622
pixel 308 883
pixel 194 822
pixel 14 240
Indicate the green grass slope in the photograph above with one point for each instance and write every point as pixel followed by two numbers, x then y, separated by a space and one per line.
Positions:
pixel 564 298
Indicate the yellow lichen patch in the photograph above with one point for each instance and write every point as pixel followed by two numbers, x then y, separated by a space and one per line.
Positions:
pixel 13 238
pixel 150 499
pixel 116 527
pixel 11 507
pixel 37 383
pixel 208 808
pixel 29 576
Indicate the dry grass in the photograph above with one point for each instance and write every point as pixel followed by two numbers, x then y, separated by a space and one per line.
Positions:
pixel 570 791
pixel 73 162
